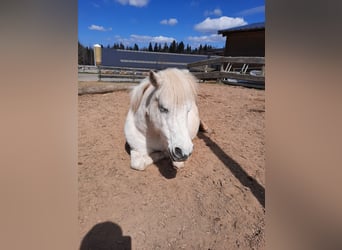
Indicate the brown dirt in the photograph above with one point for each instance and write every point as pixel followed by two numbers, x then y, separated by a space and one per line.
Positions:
pixel 215 202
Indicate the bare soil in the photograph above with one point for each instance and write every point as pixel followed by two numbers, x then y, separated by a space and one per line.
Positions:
pixel 215 202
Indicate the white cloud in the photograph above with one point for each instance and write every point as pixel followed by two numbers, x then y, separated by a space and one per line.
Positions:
pixel 171 21
pixel 119 39
pixel 215 12
pixel 98 28
pixel 162 39
pixel 143 39
pixel 214 24
pixel 252 11
pixel 136 3
pixel 213 38
pixel 147 39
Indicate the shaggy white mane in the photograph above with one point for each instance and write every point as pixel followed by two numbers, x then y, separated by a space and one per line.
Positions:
pixel 174 87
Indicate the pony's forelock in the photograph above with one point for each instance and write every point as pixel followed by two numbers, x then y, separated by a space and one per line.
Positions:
pixel 176 87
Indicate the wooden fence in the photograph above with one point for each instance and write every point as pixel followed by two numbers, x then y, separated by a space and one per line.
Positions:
pixel 231 70
pixel 122 74
pixel 87 69
pixel 246 71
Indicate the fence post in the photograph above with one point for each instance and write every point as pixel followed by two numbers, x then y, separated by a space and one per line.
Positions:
pixel 99 72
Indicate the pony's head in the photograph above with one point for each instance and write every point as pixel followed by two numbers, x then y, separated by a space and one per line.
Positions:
pixel 168 108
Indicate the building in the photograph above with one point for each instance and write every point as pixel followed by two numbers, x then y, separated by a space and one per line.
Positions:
pixel 148 60
pixel 246 40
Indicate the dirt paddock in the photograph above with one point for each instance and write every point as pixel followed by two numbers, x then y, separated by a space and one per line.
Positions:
pixel 215 202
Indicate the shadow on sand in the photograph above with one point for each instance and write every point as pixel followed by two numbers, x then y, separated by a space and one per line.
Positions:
pixel 106 236
pixel 245 179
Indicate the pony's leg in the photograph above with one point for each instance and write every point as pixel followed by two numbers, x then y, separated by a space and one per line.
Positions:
pixel 137 160
pixel 203 127
pixel 140 161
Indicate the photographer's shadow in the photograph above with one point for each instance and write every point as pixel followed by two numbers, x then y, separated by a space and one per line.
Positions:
pixel 106 236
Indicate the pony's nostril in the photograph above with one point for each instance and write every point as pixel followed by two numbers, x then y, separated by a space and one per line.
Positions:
pixel 178 152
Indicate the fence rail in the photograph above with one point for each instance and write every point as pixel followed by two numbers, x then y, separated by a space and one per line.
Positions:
pixel 122 74
pixel 87 69
pixel 237 70
pixel 238 59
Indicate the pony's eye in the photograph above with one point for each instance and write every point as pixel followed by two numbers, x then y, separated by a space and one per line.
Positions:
pixel 163 109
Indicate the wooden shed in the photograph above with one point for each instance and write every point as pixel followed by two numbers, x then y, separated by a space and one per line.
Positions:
pixel 243 62
pixel 246 40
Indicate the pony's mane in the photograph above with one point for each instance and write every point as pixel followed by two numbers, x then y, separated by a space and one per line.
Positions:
pixel 176 87
pixel 138 93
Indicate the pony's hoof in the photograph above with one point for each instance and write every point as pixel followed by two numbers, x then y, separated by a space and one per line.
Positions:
pixel 178 164
pixel 138 164
pixel 138 167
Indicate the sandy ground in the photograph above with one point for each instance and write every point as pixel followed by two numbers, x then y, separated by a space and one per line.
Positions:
pixel 215 202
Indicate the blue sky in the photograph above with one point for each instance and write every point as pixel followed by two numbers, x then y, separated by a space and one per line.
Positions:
pixel 158 21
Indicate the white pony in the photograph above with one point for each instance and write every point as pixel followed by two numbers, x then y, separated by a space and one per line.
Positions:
pixel 163 118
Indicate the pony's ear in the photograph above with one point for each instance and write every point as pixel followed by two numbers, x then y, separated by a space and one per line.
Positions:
pixel 154 79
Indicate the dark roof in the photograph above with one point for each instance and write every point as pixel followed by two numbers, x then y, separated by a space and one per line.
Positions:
pixel 248 27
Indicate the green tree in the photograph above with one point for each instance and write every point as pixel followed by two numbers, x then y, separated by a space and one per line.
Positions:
pixel 180 47
pixel 155 48
pixel 173 47
pixel 90 56
pixel 165 48
pixel 150 47
pixel 188 49
pixel 85 55
pixel 81 55
pixel 200 49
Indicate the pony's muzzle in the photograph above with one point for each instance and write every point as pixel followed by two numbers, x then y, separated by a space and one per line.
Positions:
pixel 178 154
